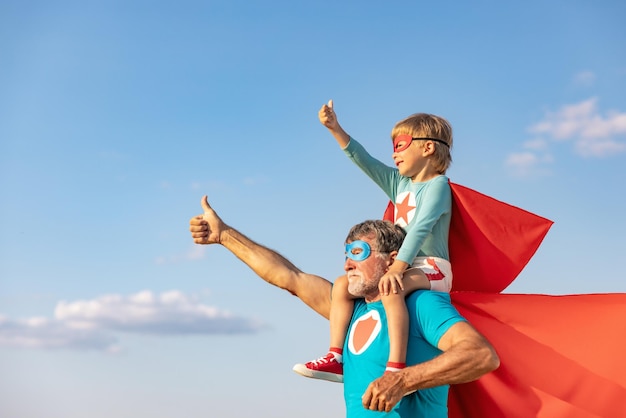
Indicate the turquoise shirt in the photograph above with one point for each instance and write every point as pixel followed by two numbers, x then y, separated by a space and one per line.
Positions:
pixel 422 209
pixel 367 348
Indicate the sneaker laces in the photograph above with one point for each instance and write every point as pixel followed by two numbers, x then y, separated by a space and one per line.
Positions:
pixel 323 360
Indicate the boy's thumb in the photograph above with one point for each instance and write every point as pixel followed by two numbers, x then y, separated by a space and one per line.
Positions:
pixel 330 103
pixel 205 204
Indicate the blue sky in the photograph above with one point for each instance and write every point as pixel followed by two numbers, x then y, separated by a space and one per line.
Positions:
pixel 117 116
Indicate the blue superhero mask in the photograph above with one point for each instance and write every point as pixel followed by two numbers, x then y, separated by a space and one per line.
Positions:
pixel 358 250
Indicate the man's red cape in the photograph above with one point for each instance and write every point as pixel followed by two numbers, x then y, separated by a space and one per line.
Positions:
pixel 560 356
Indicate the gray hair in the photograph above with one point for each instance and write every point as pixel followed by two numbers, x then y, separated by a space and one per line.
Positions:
pixel 388 237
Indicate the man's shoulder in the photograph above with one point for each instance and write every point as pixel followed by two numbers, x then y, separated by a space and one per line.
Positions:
pixel 431 314
pixel 429 296
pixel 426 304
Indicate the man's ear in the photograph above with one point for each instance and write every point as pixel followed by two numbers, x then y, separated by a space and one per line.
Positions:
pixel 392 257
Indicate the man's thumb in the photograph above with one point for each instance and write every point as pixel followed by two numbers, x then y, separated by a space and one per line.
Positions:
pixel 205 204
pixel 330 103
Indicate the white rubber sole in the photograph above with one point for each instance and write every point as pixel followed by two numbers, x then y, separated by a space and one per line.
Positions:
pixel 302 370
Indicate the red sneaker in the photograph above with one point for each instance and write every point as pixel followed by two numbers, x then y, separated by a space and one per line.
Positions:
pixel 325 368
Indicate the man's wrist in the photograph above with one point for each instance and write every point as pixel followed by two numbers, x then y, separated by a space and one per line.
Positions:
pixel 225 235
pixel 406 380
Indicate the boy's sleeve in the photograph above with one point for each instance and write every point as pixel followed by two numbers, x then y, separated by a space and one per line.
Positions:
pixel 436 202
pixel 384 176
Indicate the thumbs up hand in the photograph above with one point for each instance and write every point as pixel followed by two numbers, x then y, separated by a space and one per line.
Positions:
pixel 327 116
pixel 208 227
pixel 329 119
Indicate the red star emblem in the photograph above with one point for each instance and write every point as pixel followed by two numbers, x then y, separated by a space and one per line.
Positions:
pixel 403 208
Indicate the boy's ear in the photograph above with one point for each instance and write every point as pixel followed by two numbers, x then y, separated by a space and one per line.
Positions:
pixel 429 148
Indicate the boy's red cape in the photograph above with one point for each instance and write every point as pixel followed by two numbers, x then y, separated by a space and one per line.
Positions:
pixel 560 356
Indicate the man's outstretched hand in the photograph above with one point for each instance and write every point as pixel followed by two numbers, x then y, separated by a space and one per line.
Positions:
pixel 208 227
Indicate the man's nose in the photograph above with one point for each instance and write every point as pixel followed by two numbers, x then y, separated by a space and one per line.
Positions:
pixel 348 265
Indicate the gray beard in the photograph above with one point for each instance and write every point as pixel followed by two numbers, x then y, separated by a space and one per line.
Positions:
pixel 362 289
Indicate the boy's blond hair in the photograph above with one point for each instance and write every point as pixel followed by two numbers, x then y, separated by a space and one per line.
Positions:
pixel 424 125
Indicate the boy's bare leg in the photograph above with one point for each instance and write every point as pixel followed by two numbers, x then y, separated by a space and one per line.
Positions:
pixel 330 366
pixel 341 307
pixel 398 317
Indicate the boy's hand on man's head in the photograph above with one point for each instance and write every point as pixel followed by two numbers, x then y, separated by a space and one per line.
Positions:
pixel 391 282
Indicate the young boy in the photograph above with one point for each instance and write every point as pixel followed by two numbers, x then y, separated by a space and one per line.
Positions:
pixel 422 198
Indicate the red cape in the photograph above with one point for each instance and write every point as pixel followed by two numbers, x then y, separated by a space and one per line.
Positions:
pixel 490 241
pixel 560 356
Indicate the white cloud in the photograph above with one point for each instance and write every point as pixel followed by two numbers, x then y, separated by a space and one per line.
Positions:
pixel 91 324
pixel 528 164
pixel 522 159
pixel 584 78
pixel 536 144
pixel 43 333
pixel 196 253
pixel 593 134
pixel 170 312
pixel 599 147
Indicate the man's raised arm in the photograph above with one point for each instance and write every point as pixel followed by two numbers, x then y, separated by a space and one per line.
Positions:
pixel 272 267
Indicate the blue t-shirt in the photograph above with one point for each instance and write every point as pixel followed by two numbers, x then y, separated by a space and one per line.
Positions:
pixel 367 349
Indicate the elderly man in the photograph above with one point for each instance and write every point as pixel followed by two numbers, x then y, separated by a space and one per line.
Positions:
pixel 443 347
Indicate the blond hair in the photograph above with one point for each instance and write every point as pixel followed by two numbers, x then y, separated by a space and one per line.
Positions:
pixel 424 125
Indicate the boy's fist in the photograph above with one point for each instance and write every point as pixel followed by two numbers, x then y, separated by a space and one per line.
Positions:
pixel 327 116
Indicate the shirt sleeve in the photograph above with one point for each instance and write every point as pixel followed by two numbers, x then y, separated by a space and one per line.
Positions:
pixel 435 202
pixel 384 176
pixel 435 315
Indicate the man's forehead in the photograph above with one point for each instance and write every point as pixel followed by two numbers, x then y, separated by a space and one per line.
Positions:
pixel 369 238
